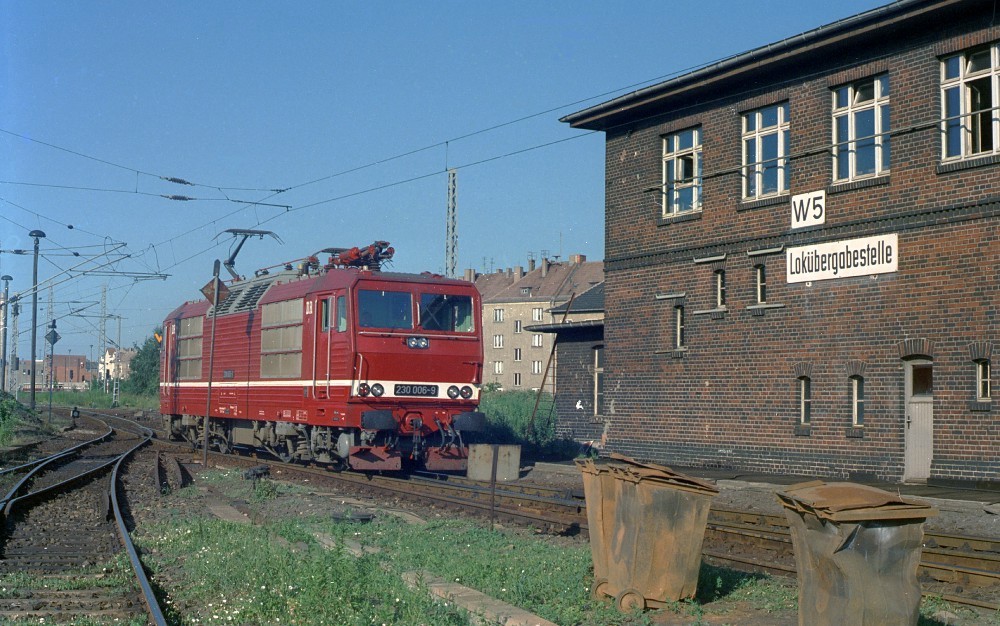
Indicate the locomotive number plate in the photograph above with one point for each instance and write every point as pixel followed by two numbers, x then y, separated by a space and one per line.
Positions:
pixel 416 390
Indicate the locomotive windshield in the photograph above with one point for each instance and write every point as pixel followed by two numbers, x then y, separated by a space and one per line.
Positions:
pixel 440 311
pixel 385 309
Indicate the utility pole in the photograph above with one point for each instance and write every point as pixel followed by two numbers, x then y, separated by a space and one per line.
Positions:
pixel 15 365
pixel 3 338
pixel 118 361
pixel 36 234
pixel 102 361
pixel 51 323
pixel 451 230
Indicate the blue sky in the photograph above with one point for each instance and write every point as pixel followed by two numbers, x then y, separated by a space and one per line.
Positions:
pixel 355 109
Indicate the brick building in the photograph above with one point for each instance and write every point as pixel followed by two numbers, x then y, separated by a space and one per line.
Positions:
pixel 802 253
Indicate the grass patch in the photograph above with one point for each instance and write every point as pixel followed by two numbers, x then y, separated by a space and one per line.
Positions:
pixel 548 580
pixel 225 573
pixel 97 399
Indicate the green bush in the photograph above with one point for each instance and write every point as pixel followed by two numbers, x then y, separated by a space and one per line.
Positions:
pixel 10 412
pixel 512 418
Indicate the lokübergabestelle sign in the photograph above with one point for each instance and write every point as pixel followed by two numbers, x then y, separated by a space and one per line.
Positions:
pixel 843 259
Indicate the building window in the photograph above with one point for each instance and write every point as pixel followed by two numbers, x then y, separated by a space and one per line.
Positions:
pixel 536 314
pixel 760 276
pixel 720 289
pixel 599 380
pixel 536 367
pixel 517 326
pixel 805 400
pixel 983 380
pixel 497 341
pixel 861 129
pixel 497 315
pixel 678 326
pixel 765 152
pixel 857 400
pixel 969 98
pixel 517 379
pixel 517 354
pixel 536 340
pixel 682 172
pixel 498 367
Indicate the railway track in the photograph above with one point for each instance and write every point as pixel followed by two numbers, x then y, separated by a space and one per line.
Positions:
pixel 63 530
pixel 960 569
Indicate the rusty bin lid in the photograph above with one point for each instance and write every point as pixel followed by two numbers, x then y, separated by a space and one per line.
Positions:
pixel 630 469
pixel 851 502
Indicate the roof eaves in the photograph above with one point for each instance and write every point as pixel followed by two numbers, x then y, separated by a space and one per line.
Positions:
pixel 598 117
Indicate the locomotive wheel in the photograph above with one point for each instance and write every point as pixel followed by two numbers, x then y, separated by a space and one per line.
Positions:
pixel 629 600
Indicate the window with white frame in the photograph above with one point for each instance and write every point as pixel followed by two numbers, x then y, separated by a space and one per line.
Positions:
pixel 599 380
pixel 536 367
pixel 497 341
pixel 861 128
pixel 498 367
pixel 720 289
pixel 517 379
pixel 765 152
pixel 517 354
pixel 969 101
pixel 857 400
pixel 682 172
pixel 678 326
pixel 760 277
pixel 517 326
pixel 497 315
pixel 536 314
pixel 536 340
pixel 983 380
pixel 805 400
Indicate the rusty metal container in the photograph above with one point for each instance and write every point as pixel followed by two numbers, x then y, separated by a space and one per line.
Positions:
pixel 857 549
pixel 654 549
pixel 599 491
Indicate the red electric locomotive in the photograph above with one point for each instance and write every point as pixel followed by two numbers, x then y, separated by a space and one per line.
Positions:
pixel 340 364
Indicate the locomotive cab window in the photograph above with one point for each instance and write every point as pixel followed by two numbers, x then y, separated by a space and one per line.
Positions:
pixel 341 314
pixel 446 312
pixel 324 311
pixel 385 309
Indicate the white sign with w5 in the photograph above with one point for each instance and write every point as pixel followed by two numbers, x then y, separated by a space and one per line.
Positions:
pixel 809 209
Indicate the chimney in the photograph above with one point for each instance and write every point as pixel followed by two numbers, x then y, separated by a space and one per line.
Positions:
pixel 576 259
pixel 531 265
pixel 545 267
pixel 470 275
pixel 518 272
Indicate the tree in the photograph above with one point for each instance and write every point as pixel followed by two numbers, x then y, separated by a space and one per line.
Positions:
pixel 144 376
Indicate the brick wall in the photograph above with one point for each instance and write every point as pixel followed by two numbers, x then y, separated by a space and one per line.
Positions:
pixel 730 400
pixel 576 418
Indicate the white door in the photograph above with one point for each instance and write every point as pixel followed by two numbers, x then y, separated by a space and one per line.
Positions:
pixel 919 420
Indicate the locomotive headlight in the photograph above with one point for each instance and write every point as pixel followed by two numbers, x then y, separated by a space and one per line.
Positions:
pixel 453 392
pixel 363 389
pixel 466 392
pixel 418 343
pixel 377 390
